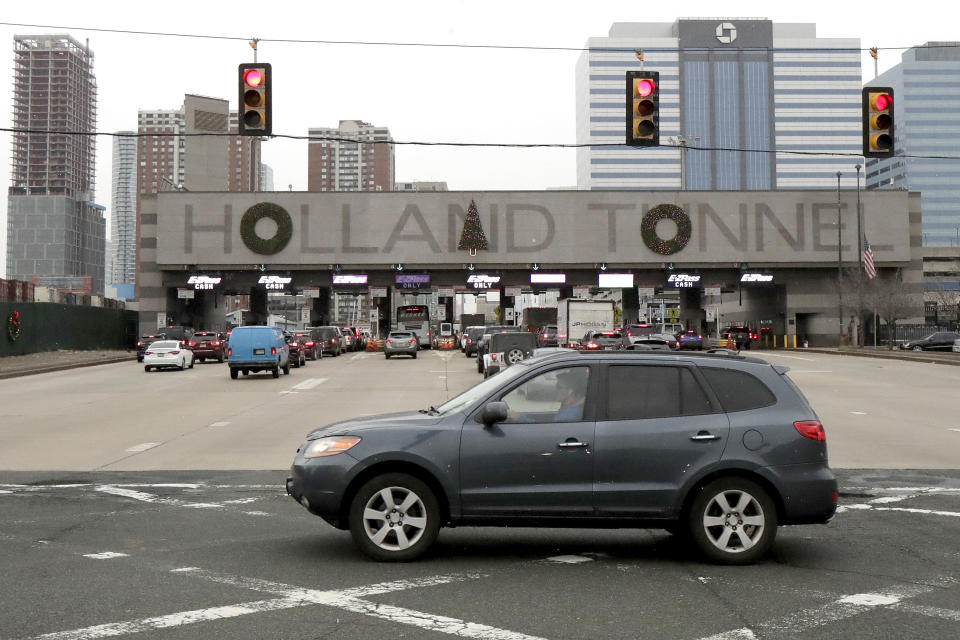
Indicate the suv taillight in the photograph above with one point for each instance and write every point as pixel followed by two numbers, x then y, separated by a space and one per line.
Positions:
pixel 811 429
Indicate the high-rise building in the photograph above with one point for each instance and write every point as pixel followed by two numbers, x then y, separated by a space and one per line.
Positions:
pixel 725 84
pixel 266 177
pixel 925 124
pixel 55 232
pixel 356 156
pixel 163 150
pixel 123 211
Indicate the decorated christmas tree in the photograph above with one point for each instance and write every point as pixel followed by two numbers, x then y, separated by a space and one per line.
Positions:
pixel 472 237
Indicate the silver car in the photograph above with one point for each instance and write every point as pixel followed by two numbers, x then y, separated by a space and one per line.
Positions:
pixel 400 343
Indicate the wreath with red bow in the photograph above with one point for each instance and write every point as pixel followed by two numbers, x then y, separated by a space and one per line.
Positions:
pixel 13 326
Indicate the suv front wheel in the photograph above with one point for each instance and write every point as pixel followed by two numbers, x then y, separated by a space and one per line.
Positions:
pixel 733 521
pixel 394 517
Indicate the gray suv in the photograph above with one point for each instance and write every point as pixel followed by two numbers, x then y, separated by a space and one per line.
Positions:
pixel 719 449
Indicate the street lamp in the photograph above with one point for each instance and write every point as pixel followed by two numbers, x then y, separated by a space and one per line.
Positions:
pixel 859 262
pixel 839 267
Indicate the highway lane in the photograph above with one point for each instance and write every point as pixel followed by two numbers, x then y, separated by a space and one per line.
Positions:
pixel 878 413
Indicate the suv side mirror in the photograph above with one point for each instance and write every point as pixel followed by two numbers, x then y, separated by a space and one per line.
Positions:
pixel 492 413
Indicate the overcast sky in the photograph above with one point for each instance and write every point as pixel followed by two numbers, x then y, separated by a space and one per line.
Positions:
pixel 420 93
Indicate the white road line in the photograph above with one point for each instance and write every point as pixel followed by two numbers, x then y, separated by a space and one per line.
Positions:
pixel 569 559
pixel 346 599
pixel 219 424
pixel 106 555
pixel 957 430
pixel 143 447
pixel 846 607
pixel 859 413
pixel 154 499
pixel 781 355
pixel 308 384
pixel 359 356
pixel 932 612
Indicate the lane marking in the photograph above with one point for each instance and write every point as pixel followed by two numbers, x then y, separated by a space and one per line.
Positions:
pixel 859 413
pixel 932 612
pixel 781 355
pixel 845 607
pixel 294 597
pixel 359 356
pixel 569 559
pixel 957 430
pixel 106 555
pixel 219 424
pixel 143 447
pixel 154 499
pixel 310 383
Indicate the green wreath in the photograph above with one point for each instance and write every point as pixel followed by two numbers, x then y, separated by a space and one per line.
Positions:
pixel 13 326
pixel 266 246
pixel 648 229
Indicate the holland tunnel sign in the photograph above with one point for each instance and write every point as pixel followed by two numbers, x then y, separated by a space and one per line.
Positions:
pixel 554 227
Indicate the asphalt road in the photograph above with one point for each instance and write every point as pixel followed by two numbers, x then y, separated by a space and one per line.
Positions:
pixel 227 555
pixel 151 505
pixel 888 414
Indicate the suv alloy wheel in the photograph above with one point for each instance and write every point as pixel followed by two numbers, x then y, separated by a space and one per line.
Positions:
pixel 733 521
pixel 394 517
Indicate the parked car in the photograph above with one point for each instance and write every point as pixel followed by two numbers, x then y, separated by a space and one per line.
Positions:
pixel 208 344
pixel 689 340
pixel 297 357
pixel 309 340
pixel 506 349
pixel 258 348
pixel 401 343
pixel 939 341
pixel 145 341
pixel 601 341
pixel 167 354
pixel 471 339
pixel 331 340
pixel 956 346
pixel 547 336
pixel 720 449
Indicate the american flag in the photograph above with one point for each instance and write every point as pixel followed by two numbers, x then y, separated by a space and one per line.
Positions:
pixel 868 266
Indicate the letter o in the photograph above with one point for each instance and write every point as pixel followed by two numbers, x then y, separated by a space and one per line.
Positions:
pixel 266 246
pixel 648 229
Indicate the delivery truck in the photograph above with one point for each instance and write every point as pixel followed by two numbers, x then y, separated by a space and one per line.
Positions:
pixel 576 317
pixel 536 317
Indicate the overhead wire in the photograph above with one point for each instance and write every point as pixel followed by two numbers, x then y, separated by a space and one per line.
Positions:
pixel 423 143
pixel 450 45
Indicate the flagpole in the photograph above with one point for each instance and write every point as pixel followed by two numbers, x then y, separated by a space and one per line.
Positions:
pixel 859 265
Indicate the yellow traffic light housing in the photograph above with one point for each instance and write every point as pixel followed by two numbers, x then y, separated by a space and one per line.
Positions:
pixel 255 117
pixel 878 122
pixel 643 108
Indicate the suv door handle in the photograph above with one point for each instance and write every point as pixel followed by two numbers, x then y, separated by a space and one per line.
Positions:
pixel 572 444
pixel 704 435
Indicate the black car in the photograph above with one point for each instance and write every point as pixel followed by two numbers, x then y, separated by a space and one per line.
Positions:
pixel 471 339
pixel 547 336
pixel 298 357
pixel 145 341
pixel 741 336
pixel 939 341
pixel 721 449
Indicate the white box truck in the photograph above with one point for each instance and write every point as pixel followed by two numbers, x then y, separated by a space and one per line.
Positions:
pixel 575 317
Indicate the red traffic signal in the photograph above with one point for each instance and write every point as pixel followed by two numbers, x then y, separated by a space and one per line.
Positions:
pixel 643 108
pixel 255 117
pixel 878 117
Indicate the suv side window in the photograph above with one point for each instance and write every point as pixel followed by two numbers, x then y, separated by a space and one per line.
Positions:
pixel 738 390
pixel 554 396
pixel 636 392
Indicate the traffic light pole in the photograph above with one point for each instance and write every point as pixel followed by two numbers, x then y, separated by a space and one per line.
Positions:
pixel 839 266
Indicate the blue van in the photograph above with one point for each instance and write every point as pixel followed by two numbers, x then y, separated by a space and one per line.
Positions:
pixel 258 349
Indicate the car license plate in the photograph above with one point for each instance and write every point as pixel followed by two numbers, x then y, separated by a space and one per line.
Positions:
pixel 160 355
pixel 258 352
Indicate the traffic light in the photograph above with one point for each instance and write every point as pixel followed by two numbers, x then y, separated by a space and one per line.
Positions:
pixel 255 109
pixel 643 108
pixel 878 122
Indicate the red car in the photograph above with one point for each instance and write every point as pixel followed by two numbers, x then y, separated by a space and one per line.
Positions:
pixel 207 344
pixel 309 344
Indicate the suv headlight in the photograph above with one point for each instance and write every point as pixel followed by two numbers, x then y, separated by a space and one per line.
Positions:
pixel 329 446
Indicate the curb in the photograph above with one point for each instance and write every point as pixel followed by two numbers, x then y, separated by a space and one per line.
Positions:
pixel 63 367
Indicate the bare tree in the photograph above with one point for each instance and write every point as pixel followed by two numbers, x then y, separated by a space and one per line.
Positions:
pixel 888 297
pixel 857 296
pixel 948 302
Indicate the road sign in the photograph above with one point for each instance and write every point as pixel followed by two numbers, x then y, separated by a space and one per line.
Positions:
pixel 673 313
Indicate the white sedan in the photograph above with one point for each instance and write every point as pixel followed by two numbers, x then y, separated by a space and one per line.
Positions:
pixel 167 354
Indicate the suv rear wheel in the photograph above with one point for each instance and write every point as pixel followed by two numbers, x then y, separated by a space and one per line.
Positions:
pixel 514 356
pixel 394 517
pixel 733 521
